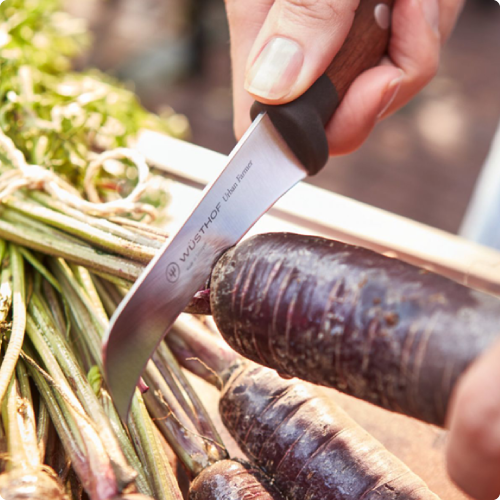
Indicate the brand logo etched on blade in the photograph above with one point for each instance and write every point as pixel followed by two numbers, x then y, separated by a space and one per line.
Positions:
pixel 194 242
pixel 173 272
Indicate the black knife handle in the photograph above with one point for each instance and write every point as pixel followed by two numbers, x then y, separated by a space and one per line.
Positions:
pixel 302 122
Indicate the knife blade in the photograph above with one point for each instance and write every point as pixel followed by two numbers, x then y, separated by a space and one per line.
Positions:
pixel 283 145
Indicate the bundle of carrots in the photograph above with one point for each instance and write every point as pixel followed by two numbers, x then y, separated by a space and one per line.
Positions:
pixel 73 239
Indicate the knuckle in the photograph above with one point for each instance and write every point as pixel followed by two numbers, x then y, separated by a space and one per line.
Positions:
pixel 424 71
pixel 236 7
pixel 238 12
pixel 431 68
pixel 233 8
pixel 317 10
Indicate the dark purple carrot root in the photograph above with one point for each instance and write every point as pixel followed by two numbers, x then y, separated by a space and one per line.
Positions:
pixel 346 317
pixel 232 480
pixel 307 444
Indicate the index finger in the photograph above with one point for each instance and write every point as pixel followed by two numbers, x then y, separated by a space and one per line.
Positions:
pixel 245 18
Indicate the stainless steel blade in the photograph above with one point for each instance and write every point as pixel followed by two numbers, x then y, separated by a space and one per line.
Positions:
pixel 260 170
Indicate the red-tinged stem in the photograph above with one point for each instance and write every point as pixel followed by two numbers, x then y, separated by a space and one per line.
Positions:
pixel 170 369
pixel 174 424
pixel 80 440
pixel 200 351
pixel 24 469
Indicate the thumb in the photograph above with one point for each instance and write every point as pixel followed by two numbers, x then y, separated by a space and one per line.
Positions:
pixel 295 46
pixel 473 449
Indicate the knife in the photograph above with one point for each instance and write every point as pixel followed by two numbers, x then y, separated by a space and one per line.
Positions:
pixel 283 145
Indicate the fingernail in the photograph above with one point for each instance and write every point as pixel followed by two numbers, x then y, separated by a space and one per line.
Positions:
pixel 431 13
pixel 390 94
pixel 275 69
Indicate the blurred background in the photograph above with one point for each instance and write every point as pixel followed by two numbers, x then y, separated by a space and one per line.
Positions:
pixel 421 163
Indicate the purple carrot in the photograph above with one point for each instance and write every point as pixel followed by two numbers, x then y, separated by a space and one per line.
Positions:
pixel 232 480
pixel 310 447
pixel 349 318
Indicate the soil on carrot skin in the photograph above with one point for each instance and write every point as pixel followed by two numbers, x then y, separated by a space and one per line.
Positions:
pixel 232 480
pixel 342 316
pixel 310 447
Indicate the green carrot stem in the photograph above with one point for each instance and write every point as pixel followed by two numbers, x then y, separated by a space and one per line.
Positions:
pixel 88 457
pixel 141 481
pixel 5 283
pixel 161 416
pixel 115 229
pixel 19 421
pixel 154 232
pixel 81 313
pixel 81 349
pixel 42 428
pixel 60 415
pixel 71 276
pixel 18 321
pixel 174 424
pixel 3 250
pixel 109 294
pixel 199 350
pixel 151 452
pixel 59 247
pixel 23 382
pixel 55 372
pixel 29 257
pixel 87 285
pixel 166 362
pixel 115 280
pixel 28 479
pixel 28 414
pixel 85 307
pixel 3 447
pixel 66 360
pixel 178 391
pixel 59 314
pixel 82 230
pixel 77 432
pixel 15 217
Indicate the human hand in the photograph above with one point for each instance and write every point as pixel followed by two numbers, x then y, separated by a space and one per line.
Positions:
pixel 279 48
pixel 473 449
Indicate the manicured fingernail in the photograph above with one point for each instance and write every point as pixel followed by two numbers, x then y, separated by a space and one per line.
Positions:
pixel 275 69
pixel 390 94
pixel 431 13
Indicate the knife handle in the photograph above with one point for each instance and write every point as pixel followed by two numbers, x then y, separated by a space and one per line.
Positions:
pixel 302 122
